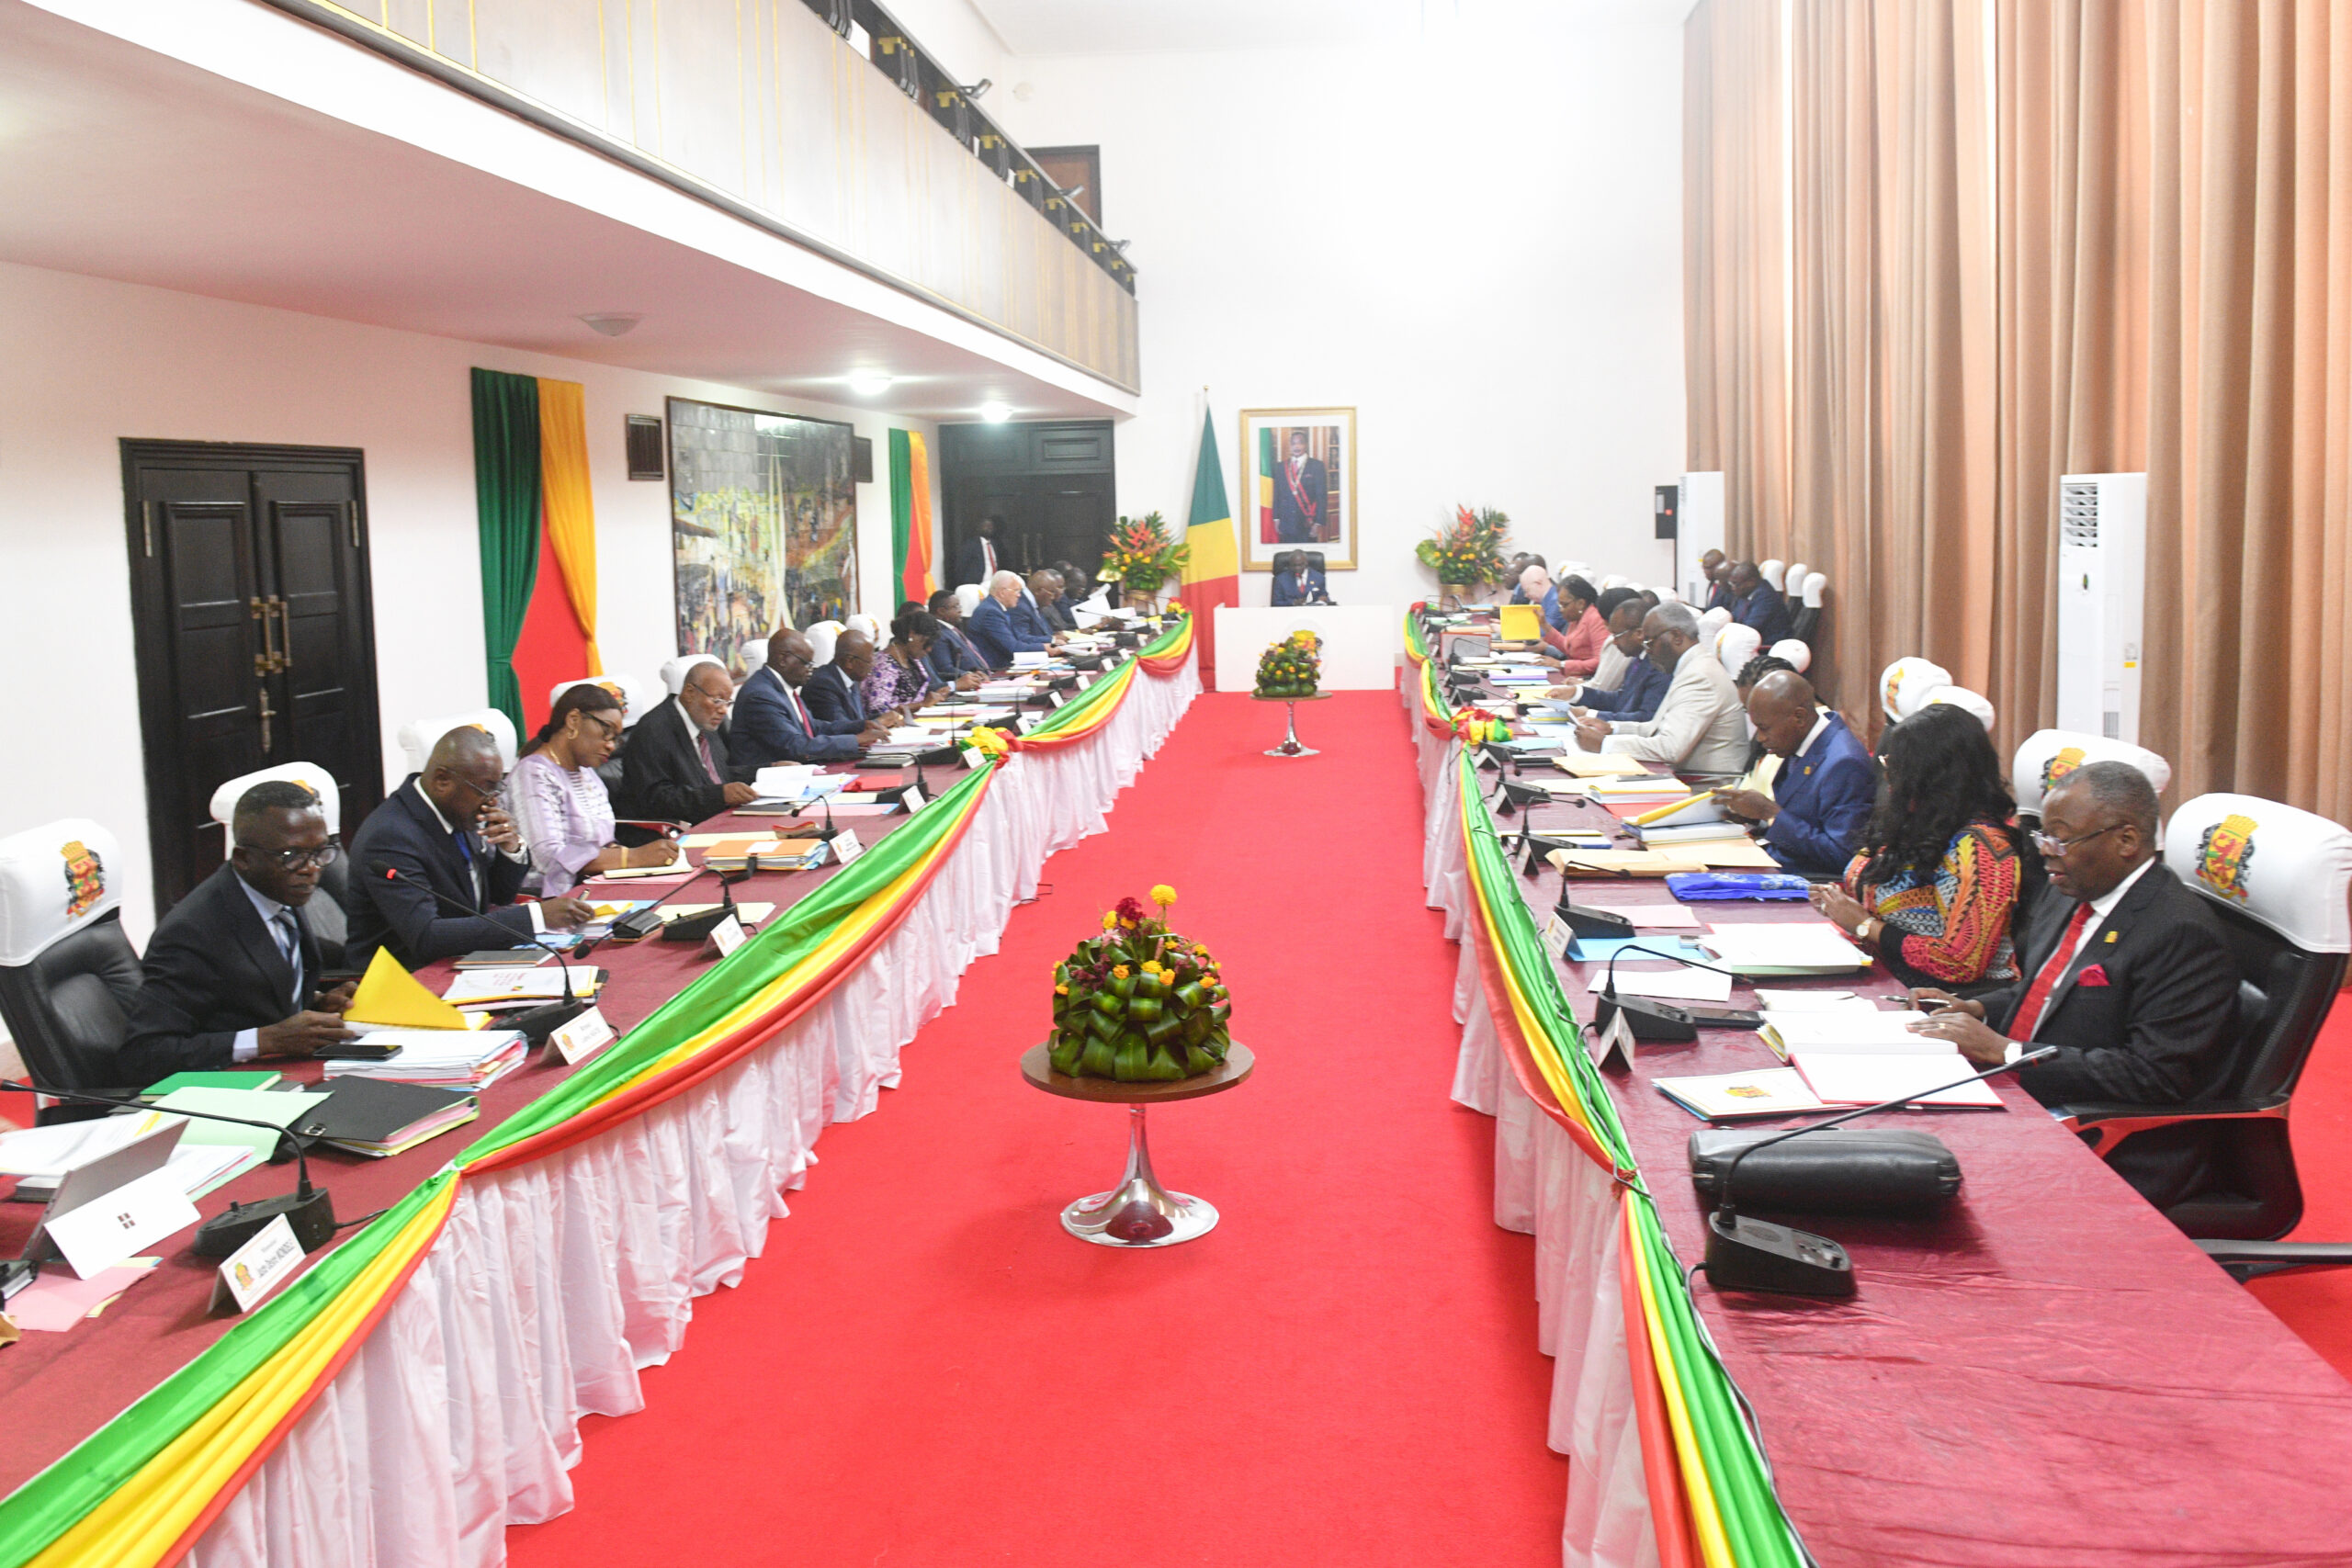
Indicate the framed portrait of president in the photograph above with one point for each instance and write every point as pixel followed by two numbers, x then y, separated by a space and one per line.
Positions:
pixel 1298 486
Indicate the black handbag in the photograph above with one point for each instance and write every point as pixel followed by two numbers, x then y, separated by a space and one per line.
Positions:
pixel 1838 1170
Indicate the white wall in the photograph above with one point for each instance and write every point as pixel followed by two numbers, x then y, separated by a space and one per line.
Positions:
pixel 1469 230
pixel 89 362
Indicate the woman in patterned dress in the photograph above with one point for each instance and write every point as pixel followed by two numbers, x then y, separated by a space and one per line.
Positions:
pixel 1934 888
pixel 900 677
pixel 559 805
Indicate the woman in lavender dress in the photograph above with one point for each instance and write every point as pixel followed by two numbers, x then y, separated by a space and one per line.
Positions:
pixel 900 677
pixel 559 803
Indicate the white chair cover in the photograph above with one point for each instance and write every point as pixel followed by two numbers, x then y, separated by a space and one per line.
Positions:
pixel 637 699
pixel 1713 621
pixel 54 880
pixel 754 654
pixel 310 775
pixel 675 673
pixel 1794 577
pixel 967 597
pixel 1773 572
pixel 1735 645
pixel 1962 697
pixel 1613 580
pixel 1666 595
pixel 1817 584
pixel 2287 868
pixel 2048 755
pixel 1795 652
pixel 1903 685
pixel 821 638
pixel 419 736
pixel 861 622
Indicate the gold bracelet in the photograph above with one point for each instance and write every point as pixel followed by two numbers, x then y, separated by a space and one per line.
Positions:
pixel 624 865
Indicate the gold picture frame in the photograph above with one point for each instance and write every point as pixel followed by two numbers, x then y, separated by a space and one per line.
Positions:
pixel 1311 504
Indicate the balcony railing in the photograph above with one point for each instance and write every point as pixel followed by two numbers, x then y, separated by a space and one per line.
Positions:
pixel 875 157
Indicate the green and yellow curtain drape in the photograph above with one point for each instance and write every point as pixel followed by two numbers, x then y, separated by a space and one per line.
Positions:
pixel 530 471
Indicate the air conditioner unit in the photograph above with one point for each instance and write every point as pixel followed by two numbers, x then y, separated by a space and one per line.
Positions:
pixel 2102 560
pixel 1699 528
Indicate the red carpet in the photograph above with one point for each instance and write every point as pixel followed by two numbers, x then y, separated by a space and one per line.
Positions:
pixel 2317 1304
pixel 925 1371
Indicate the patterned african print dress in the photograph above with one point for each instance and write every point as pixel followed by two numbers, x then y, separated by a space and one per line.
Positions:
pixel 1951 928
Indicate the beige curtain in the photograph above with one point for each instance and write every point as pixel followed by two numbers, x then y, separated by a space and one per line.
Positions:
pixel 1892 414
pixel 2251 362
pixel 1735 352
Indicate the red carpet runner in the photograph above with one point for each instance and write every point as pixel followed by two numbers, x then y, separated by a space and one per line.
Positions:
pixel 924 1371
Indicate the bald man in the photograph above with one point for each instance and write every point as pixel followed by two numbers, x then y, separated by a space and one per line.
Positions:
pixel 1814 818
pixel 773 721
pixel 444 833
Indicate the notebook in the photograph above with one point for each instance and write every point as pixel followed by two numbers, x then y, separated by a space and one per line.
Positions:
pixel 1846 1030
pixel 209 1081
pixel 380 1117
pixel 1784 947
pixel 1730 1096
pixel 1846 1078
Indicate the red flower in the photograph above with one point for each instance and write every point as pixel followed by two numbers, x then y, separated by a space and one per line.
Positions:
pixel 1130 910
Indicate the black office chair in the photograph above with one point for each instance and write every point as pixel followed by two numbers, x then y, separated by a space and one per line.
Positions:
pixel 1314 559
pixel 68 974
pixel 2278 879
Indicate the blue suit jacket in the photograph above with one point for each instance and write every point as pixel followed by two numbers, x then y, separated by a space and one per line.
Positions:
pixel 1553 616
pixel 832 697
pixel 1767 612
pixel 1286 590
pixel 1825 796
pixel 999 633
pixel 1636 698
pixel 404 833
pixel 951 655
pixel 765 731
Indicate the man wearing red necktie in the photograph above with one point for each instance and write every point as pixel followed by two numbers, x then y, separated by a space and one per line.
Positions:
pixel 2126 972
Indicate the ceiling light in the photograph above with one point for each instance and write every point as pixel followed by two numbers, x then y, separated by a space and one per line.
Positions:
pixel 869 383
pixel 611 323
pixel 996 414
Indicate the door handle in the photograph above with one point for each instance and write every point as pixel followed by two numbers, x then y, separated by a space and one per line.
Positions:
pixel 266 659
pixel 267 713
pixel 285 656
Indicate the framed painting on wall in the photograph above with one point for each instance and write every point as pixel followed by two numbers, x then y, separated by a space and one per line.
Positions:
pixel 763 525
pixel 1298 469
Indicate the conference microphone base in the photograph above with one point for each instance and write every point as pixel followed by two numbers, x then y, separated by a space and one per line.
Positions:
pixel 541 1022
pixel 310 1217
pixel 1754 1255
pixel 1653 1024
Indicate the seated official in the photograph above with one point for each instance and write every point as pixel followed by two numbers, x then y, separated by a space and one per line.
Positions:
pixel 902 676
pixel 1698 727
pixel 1297 582
pixel 1640 684
pixel 1822 799
pixel 1001 626
pixel 1757 603
pixel 2125 971
pixel 233 972
pixel 1716 571
pixel 835 693
pixel 1608 672
pixel 773 722
pixel 1744 682
pixel 557 796
pixel 444 833
pixel 1933 888
pixel 675 767
pixel 1047 591
pixel 1581 631
pixel 954 660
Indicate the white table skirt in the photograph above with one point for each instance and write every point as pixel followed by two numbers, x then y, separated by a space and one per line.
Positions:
pixel 555 1284
pixel 1544 1186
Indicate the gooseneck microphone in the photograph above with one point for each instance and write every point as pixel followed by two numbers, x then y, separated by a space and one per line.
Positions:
pixel 1655 1022
pixel 540 1021
pixel 308 1209
pixel 1754 1255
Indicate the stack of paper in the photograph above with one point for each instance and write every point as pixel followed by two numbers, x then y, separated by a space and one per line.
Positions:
pixel 484 990
pixel 1784 947
pixel 1730 1097
pixel 1863 1032
pixel 278 1109
pixel 1606 764
pixel 377 1117
pixel 44 1154
pixel 1813 1001
pixel 1583 862
pixel 449 1058
pixel 1627 789
pixel 1846 1078
pixel 201 1168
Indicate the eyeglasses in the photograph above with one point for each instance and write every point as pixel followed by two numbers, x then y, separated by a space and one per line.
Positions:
pixel 325 854
pixel 2057 848
pixel 611 731
pixel 489 793
pixel 722 704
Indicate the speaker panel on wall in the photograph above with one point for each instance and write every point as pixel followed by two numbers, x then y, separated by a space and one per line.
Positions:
pixel 861 460
pixel 645 447
pixel 1669 502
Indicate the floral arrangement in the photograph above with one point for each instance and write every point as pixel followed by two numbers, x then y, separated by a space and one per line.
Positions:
pixel 1139 1003
pixel 1290 667
pixel 1141 553
pixel 1469 549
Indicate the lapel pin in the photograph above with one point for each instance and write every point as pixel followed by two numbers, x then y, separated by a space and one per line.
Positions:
pixel 2111 939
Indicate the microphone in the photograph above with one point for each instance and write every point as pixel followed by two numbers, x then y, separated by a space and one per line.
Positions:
pixel 825 800
pixel 540 1021
pixel 1753 1255
pixel 1655 1022
pixel 307 1210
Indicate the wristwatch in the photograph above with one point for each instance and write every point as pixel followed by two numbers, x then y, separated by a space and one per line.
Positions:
pixel 1863 928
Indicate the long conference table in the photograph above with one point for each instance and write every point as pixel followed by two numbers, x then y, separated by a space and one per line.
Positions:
pixel 420 1387
pixel 2047 1372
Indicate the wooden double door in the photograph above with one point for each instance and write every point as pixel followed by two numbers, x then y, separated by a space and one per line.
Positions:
pixel 255 633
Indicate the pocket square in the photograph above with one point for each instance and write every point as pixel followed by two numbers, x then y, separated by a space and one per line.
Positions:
pixel 2094 976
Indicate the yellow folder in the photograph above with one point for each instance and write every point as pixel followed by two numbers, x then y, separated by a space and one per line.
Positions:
pixel 1523 623
pixel 391 997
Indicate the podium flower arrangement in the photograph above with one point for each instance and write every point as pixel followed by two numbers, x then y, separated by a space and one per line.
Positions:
pixel 1467 551
pixel 1142 555
pixel 1139 1003
pixel 1290 667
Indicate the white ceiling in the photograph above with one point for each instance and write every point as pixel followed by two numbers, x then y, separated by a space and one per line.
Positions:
pixel 1132 27
pixel 120 163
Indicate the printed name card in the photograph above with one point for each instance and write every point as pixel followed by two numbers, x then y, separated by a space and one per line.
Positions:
pixel 257 1267
pixel 845 846
pixel 589 1034
pixel 726 936
pixel 104 1231
pixel 1557 936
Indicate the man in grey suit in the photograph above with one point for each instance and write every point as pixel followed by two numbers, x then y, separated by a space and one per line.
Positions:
pixel 1698 728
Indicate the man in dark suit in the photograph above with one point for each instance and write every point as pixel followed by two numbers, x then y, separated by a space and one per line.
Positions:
pixel 1299 492
pixel 976 558
pixel 1716 571
pixel 1046 590
pixel 1297 582
pixel 1821 800
pixel 835 693
pixel 952 659
pixel 1001 626
pixel 1755 603
pixel 233 972
pixel 674 767
pixel 444 833
pixel 2126 972
pixel 773 722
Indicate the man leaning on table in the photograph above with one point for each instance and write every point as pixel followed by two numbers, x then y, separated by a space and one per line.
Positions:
pixel 1698 728
pixel 1821 802
pixel 772 723
pixel 2126 972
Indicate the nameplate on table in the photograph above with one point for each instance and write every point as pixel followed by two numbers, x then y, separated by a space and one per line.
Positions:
pixel 259 1267
pixel 1616 1040
pixel 727 935
pixel 104 1231
pixel 913 799
pixel 1558 936
pixel 846 847
pixel 589 1034
pixel 1055 699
